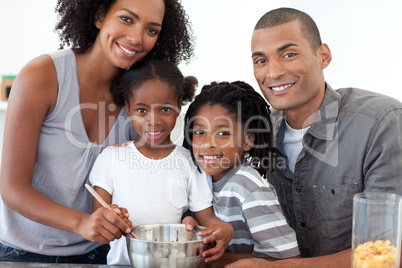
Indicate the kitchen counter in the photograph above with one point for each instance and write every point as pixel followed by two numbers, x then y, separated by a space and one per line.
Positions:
pixel 56 265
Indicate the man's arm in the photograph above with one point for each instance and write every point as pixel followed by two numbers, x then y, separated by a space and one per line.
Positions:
pixel 230 257
pixel 337 260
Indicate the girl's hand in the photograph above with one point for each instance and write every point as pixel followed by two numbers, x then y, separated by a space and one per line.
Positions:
pixel 189 222
pixel 219 233
pixel 123 214
pixel 104 226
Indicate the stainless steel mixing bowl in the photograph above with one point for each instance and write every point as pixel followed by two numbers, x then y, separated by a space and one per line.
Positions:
pixel 166 245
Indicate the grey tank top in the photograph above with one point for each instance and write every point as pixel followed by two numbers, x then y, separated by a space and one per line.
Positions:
pixel 64 160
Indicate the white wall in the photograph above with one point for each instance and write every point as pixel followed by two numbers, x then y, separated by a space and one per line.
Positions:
pixel 26 31
pixel 364 36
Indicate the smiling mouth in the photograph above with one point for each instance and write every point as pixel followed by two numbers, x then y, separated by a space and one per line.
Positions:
pixel 130 52
pixel 154 133
pixel 211 157
pixel 280 88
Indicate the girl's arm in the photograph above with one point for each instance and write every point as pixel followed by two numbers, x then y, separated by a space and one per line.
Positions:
pixel 104 195
pixel 32 98
pixel 220 232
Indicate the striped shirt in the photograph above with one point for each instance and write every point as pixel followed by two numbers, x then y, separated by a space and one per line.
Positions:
pixel 248 202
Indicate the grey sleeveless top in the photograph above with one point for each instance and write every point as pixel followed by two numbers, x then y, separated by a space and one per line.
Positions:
pixel 64 160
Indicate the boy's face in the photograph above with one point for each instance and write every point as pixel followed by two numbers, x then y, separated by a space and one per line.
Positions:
pixel 287 69
pixel 218 140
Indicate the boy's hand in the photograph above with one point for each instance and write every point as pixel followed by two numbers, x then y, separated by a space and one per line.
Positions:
pixel 219 233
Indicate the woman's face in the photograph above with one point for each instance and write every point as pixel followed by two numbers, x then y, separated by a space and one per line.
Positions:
pixel 129 30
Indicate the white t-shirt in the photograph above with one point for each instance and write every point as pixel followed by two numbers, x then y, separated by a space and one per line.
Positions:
pixel 292 144
pixel 153 191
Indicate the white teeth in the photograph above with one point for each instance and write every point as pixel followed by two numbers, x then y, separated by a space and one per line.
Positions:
pixel 126 50
pixel 208 157
pixel 154 133
pixel 281 87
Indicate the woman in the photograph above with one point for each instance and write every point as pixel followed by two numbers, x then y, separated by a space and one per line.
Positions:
pixel 61 115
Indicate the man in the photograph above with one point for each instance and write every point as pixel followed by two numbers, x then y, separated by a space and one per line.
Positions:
pixel 336 142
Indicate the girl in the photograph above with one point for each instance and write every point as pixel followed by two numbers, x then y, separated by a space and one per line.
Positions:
pixel 228 131
pixel 62 101
pixel 152 177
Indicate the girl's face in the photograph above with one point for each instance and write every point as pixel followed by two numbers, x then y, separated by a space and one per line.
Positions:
pixel 129 30
pixel 218 140
pixel 153 110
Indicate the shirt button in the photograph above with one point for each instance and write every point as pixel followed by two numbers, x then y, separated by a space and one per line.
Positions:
pixel 298 189
pixel 303 224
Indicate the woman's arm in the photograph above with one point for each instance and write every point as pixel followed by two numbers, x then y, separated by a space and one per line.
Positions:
pixel 32 98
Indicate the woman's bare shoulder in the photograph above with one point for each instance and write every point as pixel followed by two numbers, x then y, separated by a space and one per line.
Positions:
pixel 36 82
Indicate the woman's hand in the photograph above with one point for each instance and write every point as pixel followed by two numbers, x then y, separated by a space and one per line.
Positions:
pixel 104 225
pixel 221 234
pixel 124 144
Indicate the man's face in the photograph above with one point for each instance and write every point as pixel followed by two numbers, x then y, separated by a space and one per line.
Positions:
pixel 287 70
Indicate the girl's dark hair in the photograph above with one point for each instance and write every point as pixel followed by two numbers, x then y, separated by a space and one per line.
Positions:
pixel 123 86
pixel 76 27
pixel 252 112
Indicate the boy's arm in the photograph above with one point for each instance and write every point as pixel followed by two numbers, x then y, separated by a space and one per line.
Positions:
pixel 272 236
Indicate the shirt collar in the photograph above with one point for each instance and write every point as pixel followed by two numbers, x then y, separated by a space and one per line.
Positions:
pixel 217 186
pixel 324 124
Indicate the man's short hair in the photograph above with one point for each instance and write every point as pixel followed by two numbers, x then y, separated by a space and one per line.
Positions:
pixel 284 15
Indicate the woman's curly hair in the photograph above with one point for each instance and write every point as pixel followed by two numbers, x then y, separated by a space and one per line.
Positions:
pixel 76 28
